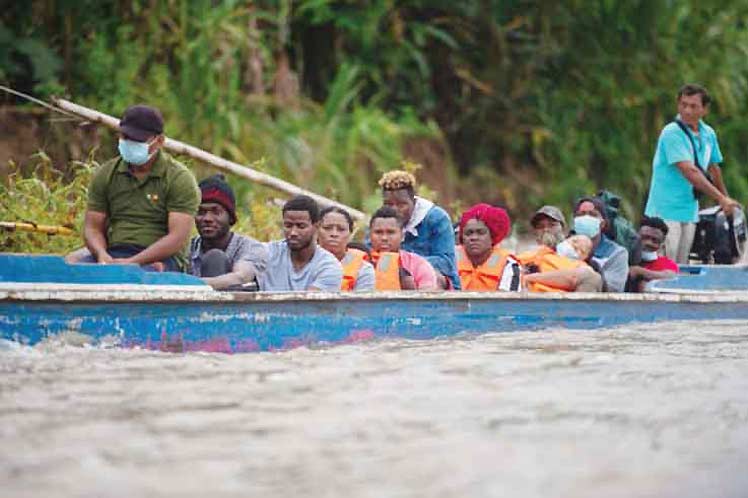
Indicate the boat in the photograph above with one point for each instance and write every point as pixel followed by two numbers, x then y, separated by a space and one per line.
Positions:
pixel 43 298
pixel 704 279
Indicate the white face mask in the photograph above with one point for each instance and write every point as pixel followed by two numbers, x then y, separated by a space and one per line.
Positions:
pixel 648 256
pixel 587 225
pixel 566 250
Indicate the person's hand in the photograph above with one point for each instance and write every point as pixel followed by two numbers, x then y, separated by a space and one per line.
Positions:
pixel 442 281
pixel 636 272
pixel 407 283
pixel 158 266
pixel 104 258
pixel 728 204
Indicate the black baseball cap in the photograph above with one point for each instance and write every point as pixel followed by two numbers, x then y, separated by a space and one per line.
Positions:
pixel 141 122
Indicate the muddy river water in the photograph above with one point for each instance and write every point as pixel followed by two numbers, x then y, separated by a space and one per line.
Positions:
pixel 650 411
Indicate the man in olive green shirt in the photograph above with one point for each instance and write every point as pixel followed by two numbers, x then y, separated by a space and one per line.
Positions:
pixel 141 205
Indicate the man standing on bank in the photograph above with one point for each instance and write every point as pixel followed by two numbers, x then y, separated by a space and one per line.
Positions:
pixel 686 151
pixel 225 260
pixel 142 204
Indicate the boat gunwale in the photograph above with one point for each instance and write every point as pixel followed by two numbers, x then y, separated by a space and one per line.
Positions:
pixel 123 293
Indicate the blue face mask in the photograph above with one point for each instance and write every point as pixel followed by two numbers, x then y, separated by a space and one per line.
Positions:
pixel 587 225
pixel 135 153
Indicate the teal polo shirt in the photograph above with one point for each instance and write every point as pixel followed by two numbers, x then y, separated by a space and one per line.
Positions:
pixel 670 194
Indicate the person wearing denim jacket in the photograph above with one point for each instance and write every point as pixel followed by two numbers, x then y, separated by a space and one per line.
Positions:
pixel 428 228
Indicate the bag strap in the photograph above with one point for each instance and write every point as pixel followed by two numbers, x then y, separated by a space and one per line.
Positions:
pixel 683 127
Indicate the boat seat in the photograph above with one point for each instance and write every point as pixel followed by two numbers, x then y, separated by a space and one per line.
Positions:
pixel 25 268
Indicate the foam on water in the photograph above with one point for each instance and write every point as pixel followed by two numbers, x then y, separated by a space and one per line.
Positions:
pixel 657 410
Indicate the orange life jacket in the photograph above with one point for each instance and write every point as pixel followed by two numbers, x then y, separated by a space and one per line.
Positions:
pixel 485 277
pixel 546 259
pixel 352 262
pixel 386 270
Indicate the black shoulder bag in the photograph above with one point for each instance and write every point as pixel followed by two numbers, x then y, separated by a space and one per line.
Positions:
pixel 696 193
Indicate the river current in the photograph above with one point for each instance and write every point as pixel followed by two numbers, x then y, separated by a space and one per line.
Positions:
pixel 641 411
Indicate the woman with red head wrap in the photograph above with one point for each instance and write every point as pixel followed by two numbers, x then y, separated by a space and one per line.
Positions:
pixel 481 264
pixel 495 219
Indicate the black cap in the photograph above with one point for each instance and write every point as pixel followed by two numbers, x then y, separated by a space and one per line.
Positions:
pixel 141 122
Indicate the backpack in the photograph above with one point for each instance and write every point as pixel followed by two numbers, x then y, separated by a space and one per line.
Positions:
pixel 620 229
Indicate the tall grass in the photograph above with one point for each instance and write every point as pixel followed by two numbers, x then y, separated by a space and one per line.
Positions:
pixel 44 196
pixel 539 101
pixel 192 65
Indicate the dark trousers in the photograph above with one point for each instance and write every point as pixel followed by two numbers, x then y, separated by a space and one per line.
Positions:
pixel 214 263
pixel 129 250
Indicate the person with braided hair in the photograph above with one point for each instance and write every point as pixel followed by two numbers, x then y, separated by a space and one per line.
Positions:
pixel 428 228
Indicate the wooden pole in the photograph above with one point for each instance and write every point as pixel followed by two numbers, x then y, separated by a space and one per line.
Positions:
pixel 178 147
pixel 32 227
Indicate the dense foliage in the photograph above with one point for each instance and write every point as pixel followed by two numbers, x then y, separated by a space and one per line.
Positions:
pixel 536 100
pixel 44 197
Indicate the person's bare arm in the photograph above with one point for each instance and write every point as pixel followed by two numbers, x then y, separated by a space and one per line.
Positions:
pixel 243 272
pixel 647 275
pixel 407 282
pixel 563 279
pixel 699 181
pixel 180 227
pixel 94 235
pixel 716 173
pixel 557 278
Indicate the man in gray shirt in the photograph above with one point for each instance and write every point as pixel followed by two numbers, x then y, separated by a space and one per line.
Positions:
pixel 297 263
pixel 223 259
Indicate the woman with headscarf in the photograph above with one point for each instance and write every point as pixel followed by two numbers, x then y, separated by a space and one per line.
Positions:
pixel 481 264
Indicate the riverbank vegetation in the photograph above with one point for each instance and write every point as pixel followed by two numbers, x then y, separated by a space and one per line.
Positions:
pixel 517 102
pixel 43 195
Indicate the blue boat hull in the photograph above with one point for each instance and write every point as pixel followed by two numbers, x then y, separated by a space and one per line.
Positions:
pixel 259 325
pixel 41 297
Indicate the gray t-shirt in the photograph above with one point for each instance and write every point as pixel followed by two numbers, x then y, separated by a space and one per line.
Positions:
pixel 323 272
pixel 613 260
pixel 366 279
pixel 240 248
